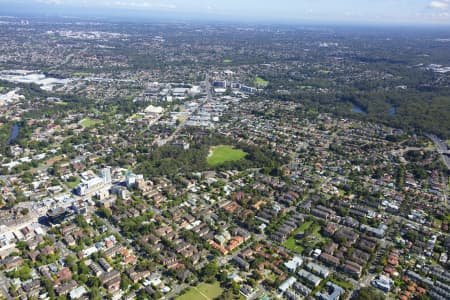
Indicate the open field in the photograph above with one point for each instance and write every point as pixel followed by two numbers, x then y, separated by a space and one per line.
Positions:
pixel 203 291
pixel 88 122
pixel 305 87
pixel 220 154
pixel 261 82
pixel 81 74
pixel 291 242
pixel 53 160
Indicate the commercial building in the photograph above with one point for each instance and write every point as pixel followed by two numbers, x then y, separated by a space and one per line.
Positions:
pixel 89 186
pixel 105 174
pixel 57 215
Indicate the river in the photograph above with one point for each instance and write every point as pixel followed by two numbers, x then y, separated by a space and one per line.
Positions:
pixel 358 109
pixel 14 134
pixel 392 110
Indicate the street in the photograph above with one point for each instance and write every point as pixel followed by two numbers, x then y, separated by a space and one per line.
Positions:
pixel 442 148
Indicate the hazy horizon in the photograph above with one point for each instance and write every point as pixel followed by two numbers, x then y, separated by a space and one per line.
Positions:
pixel 383 12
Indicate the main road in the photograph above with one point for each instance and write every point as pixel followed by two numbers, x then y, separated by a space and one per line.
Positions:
pixel 442 148
pixel 183 123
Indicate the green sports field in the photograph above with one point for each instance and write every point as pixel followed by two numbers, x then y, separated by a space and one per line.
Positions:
pixel 221 154
pixel 203 291
pixel 88 122
pixel 261 82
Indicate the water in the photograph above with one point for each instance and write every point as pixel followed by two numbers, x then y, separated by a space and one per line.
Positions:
pixel 358 109
pixel 14 134
pixel 392 110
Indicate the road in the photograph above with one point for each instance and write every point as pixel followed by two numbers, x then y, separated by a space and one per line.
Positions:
pixel 183 123
pixel 442 148
pixel 401 219
pixel 445 188
pixel 4 286
pixel 117 231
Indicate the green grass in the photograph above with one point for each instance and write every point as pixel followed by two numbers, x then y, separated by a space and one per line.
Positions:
pixel 315 237
pixel 203 291
pixel 346 285
pixel 291 242
pixel 261 82
pixel 315 231
pixel 81 74
pixel 73 184
pixel 227 61
pixel 136 117
pixel 448 143
pixel 221 154
pixel 305 226
pixel 88 122
pixel 2 88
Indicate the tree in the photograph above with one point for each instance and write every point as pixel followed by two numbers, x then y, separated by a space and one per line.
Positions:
pixel 125 282
pixel 81 221
pixel 227 295
pixel 104 212
pixel 370 293
pixel 48 287
pixel 93 282
pixel 21 245
pixel 95 294
pixel 210 271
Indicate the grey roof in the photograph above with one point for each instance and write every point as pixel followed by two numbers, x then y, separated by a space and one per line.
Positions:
pixel 337 291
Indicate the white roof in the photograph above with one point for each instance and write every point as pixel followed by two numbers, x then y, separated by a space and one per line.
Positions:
pixel 154 109
pixel 77 292
pixel 287 284
pixel 180 90
pixel 294 263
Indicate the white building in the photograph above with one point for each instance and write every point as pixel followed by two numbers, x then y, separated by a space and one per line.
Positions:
pixel 89 186
pixel 105 174
pixel 293 264
pixel 287 284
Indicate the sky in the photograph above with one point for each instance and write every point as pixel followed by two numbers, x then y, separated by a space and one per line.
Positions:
pixel 296 11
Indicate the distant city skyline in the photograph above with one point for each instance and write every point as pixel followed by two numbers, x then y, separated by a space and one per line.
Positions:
pixel 285 11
